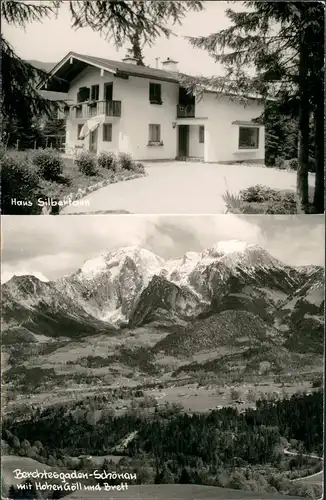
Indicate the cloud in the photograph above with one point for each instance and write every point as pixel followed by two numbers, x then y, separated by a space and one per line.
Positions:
pixel 56 246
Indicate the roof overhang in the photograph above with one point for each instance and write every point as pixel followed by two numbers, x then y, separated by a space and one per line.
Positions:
pixel 66 70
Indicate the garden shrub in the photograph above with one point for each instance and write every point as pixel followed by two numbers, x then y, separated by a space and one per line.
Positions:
pixel 108 160
pixel 125 161
pixel 292 164
pixel 258 194
pixel 139 168
pixel 49 164
pixel 279 163
pixel 284 203
pixel 86 163
pixel 20 182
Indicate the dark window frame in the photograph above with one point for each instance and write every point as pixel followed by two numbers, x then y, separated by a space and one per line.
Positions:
pixel 152 134
pixel 108 85
pixel 95 89
pixel 201 133
pixel 155 93
pixel 107 126
pixel 79 127
pixel 256 130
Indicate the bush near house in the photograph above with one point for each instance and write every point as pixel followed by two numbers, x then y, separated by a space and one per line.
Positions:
pixel 49 164
pixel 30 176
pixel 86 163
pixel 126 162
pixel 20 185
pixel 139 167
pixel 258 194
pixel 107 159
pixel 261 200
pixel 292 164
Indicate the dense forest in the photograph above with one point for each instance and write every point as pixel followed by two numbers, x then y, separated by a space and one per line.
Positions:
pixel 221 448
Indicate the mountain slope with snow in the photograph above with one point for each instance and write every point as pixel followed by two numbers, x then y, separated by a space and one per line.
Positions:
pixel 134 286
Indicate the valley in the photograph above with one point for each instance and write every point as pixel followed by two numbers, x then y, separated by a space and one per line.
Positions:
pixel 136 344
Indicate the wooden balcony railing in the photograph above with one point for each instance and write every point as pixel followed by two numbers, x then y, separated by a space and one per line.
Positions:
pixel 88 110
pixel 186 111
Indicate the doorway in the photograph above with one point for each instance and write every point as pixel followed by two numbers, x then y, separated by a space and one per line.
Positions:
pixel 93 141
pixel 108 91
pixel 183 141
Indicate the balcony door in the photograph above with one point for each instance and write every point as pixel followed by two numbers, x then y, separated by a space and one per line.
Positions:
pixel 186 99
pixel 93 137
pixel 108 91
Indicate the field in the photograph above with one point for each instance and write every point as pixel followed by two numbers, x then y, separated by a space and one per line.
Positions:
pixel 9 463
pixel 193 397
pixel 314 479
pixel 179 492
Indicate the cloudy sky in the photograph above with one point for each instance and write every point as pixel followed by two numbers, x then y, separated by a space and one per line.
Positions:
pixel 52 39
pixel 54 246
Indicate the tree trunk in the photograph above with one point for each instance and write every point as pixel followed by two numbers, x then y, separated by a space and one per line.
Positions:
pixel 319 196
pixel 304 108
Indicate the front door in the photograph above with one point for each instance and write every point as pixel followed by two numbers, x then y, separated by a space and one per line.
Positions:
pixel 183 141
pixel 93 141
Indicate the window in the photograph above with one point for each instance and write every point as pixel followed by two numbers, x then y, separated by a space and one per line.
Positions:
pixel 248 137
pixel 83 94
pixel 154 133
pixel 155 93
pixel 107 132
pixel 95 91
pixel 201 134
pixel 79 127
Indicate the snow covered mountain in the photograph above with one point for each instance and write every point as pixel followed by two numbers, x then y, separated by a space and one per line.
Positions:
pixel 108 286
pixel 134 286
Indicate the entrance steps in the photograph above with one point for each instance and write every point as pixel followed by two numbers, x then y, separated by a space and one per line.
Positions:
pixel 189 158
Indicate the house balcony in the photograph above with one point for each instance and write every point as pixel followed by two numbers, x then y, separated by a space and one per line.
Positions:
pixel 186 110
pixel 91 109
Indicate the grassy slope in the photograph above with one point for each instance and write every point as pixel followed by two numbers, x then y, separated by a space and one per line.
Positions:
pixel 9 463
pixel 178 492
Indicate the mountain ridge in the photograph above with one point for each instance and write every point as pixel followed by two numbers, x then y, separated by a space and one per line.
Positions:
pixel 133 286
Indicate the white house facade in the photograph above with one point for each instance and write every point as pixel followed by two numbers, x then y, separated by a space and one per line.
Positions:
pixel 146 113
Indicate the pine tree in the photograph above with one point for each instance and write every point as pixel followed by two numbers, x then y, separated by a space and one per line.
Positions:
pixel 284 43
pixel 121 22
pixel 136 48
pixel 20 101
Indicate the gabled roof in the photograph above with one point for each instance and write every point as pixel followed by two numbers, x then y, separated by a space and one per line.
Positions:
pixel 64 72
pixel 53 96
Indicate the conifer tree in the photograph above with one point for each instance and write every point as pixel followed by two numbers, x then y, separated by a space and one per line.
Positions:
pixel 283 43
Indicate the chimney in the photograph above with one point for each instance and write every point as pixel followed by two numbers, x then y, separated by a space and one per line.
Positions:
pixel 170 65
pixel 130 60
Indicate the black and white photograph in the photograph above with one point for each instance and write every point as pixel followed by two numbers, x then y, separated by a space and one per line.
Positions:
pixel 174 107
pixel 163 357
pixel 163 339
